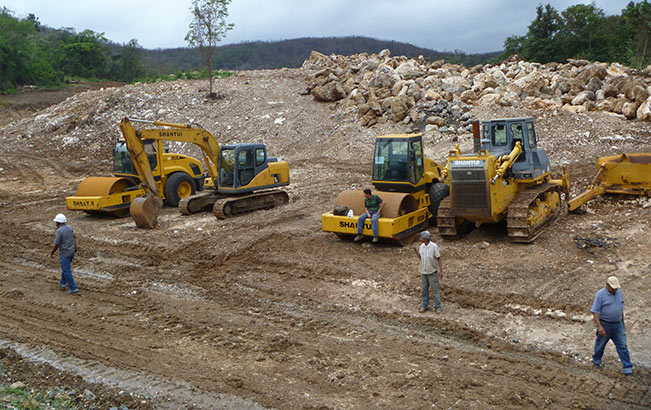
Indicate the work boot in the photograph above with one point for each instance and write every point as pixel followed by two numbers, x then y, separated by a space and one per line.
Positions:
pixel 438 310
pixel 375 239
pixel 358 238
pixel 73 292
pixel 422 309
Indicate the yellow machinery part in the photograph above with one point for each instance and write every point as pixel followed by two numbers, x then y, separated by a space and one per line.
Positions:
pixel 101 186
pixel 618 174
pixel 145 211
pixel 540 210
pixel 401 219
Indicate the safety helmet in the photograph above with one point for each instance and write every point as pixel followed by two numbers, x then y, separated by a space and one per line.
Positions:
pixel 60 218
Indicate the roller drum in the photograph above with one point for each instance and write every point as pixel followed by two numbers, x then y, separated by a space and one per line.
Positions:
pixel 101 186
pixel 396 203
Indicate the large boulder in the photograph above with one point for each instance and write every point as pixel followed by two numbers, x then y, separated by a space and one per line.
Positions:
pixel 531 83
pixel 384 77
pixel 409 70
pixel 644 112
pixel 629 110
pixel 399 109
pixel 455 84
pixel 582 97
pixel 329 92
pixel 592 70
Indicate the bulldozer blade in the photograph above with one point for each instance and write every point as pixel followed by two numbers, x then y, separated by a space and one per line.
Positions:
pixel 145 211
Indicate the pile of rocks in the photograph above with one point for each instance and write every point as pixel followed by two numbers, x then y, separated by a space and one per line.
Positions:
pixel 382 88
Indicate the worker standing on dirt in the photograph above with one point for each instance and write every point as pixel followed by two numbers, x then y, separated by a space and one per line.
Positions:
pixel 373 205
pixel 64 241
pixel 608 312
pixel 431 270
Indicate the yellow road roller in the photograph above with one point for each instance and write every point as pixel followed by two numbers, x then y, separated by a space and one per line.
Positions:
pixel 179 177
pixel 410 185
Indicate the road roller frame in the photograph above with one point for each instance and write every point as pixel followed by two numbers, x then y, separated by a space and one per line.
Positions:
pixel 408 183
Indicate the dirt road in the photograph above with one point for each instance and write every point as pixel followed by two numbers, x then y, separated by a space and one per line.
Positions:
pixel 267 311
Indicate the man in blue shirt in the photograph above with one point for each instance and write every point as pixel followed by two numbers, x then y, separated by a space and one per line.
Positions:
pixel 608 312
pixel 64 241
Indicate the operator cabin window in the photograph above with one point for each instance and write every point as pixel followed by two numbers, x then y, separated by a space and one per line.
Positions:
pixel 259 157
pixel 499 134
pixel 516 132
pixel 532 135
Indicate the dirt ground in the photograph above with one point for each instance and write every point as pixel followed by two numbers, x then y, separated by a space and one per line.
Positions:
pixel 267 311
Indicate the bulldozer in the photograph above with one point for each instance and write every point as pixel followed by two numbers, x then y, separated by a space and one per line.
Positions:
pixel 410 185
pixel 507 176
pixel 242 176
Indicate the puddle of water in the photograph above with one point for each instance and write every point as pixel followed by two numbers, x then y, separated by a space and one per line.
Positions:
pixel 166 393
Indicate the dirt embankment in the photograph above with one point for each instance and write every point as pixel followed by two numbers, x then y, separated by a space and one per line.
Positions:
pixel 266 310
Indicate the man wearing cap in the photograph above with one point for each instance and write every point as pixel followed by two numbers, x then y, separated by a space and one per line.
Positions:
pixel 64 241
pixel 431 270
pixel 373 205
pixel 608 312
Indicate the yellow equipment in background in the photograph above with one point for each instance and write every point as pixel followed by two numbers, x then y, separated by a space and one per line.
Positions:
pixel 618 174
pixel 408 183
pixel 238 171
pixel 178 176
pixel 506 177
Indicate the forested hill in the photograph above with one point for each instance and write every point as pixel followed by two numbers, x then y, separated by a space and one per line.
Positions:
pixel 292 53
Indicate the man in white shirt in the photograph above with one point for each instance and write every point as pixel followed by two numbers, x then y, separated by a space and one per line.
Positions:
pixel 431 270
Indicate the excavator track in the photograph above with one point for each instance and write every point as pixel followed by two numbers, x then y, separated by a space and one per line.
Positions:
pixel 521 225
pixel 233 206
pixel 201 202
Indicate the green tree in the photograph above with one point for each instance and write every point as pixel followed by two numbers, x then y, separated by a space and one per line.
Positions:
pixel 638 18
pixel 130 65
pixel 541 42
pixel 207 28
pixel 86 55
pixel 583 33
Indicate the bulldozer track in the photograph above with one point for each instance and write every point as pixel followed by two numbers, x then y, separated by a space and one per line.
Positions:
pixel 233 206
pixel 516 220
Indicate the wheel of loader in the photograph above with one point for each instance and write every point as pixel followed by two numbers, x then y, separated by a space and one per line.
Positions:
pixel 437 192
pixel 179 185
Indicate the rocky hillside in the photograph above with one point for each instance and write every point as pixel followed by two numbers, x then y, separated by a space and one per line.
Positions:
pixel 435 96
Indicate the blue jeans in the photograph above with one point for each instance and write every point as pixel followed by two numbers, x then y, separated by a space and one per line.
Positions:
pixel 425 282
pixel 617 333
pixel 375 215
pixel 66 272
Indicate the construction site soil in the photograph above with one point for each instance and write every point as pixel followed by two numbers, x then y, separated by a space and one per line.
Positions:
pixel 267 311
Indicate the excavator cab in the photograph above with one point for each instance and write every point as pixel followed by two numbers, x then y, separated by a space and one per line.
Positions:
pixel 398 163
pixel 244 168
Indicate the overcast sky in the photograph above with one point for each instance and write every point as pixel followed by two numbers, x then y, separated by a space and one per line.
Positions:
pixel 468 25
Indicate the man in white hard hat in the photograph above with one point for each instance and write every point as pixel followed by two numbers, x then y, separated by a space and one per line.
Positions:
pixel 608 312
pixel 64 241
pixel 431 270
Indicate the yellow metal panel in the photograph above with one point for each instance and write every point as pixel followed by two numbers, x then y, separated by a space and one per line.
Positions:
pixel 387 227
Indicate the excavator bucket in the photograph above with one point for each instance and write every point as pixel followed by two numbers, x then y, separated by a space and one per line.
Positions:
pixel 145 211
pixel 628 174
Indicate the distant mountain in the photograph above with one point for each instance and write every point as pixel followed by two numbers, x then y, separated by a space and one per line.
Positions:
pixel 292 53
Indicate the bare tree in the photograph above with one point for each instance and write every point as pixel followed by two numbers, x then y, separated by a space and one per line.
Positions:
pixel 207 28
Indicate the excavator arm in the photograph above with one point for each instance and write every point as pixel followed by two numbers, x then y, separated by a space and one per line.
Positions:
pixel 146 209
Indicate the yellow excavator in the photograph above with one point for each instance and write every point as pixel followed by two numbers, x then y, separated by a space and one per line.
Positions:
pixel 242 175
pixel 410 185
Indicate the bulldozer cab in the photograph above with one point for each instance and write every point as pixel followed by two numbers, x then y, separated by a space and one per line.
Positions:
pixel 499 138
pixel 398 163
pixel 240 163
pixel 122 163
